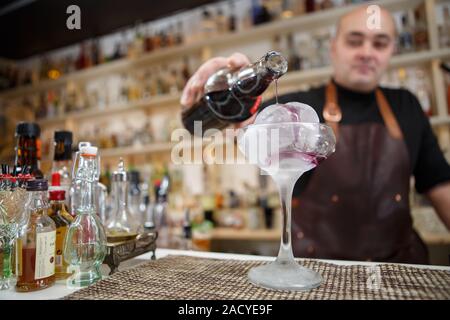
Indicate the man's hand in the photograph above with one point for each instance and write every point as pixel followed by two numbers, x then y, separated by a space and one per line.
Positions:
pixel 440 199
pixel 193 90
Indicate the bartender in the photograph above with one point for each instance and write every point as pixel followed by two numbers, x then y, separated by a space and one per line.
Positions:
pixel 355 205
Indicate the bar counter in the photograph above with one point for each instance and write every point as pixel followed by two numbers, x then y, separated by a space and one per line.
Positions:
pixel 59 290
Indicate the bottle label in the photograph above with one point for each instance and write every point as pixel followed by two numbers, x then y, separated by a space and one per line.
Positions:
pixel 60 235
pixel 45 254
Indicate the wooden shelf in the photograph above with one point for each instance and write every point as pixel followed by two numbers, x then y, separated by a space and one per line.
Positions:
pixel 259 33
pixel 290 79
pixel 438 121
pixel 246 234
pixel 136 150
pixel 164 100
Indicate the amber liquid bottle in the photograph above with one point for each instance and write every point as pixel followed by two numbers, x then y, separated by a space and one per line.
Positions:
pixel 59 214
pixel 36 248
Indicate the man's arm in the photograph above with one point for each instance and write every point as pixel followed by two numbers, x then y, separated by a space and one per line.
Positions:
pixel 440 199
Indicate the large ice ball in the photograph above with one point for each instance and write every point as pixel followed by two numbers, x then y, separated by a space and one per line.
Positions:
pixel 287 112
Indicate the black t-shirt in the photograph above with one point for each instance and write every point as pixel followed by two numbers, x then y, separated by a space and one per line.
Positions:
pixel 428 163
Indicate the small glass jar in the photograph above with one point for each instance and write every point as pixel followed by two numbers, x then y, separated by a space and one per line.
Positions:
pixel 36 248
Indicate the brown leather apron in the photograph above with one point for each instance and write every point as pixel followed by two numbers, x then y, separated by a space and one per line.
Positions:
pixel 356 203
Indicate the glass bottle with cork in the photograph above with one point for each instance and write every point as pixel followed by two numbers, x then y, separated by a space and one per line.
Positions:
pixel 36 248
pixel 59 214
pixel 85 242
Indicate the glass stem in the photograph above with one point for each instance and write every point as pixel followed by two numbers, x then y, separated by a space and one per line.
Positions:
pixel 285 187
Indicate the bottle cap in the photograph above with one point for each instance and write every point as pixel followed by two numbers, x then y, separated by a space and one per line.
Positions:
pixel 89 150
pixel 120 174
pixel 37 185
pixel 58 195
pixel 134 177
pixel 29 129
pixel 276 63
pixel 56 179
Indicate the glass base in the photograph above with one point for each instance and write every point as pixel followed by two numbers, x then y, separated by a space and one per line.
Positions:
pixel 83 279
pixel 6 282
pixel 287 275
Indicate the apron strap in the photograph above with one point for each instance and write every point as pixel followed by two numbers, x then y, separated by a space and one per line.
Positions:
pixel 333 115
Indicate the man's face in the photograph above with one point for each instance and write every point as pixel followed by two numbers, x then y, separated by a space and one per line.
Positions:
pixel 360 55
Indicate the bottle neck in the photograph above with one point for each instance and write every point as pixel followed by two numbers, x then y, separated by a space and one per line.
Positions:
pixel 254 79
pixel 87 176
pixel 57 203
pixel 120 191
pixel 63 152
pixel 38 201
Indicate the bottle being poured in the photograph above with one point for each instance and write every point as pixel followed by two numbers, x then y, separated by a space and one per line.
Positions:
pixel 232 96
pixel 85 242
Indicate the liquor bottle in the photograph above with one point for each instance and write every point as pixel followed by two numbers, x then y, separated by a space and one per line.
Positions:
pixel 260 14
pixel 406 43
pixel 420 31
pixel 208 25
pixel 82 60
pixel 62 219
pixel 310 6
pixel 234 96
pixel 232 23
pixel 444 34
pixel 294 60
pixel 186 241
pixel 160 217
pixel 36 247
pixel 96 53
pixel 179 36
pixel 62 160
pixel 185 72
pixel 148 41
pixel 221 22
pixel 287 9
pixel 28 149
pixel 85 242
pixel 422 92
pixel 134 194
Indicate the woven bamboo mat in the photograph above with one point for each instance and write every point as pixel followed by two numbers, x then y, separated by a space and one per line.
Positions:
pixel 184 277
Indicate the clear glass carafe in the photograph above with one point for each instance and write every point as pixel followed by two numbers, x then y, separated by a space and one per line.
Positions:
pixel 122 225
pixel 85 243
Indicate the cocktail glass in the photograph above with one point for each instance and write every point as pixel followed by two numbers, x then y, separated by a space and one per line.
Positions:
pixel 285 151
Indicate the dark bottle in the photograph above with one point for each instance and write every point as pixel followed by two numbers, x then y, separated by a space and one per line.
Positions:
pixel 232 97
pixel 232 18
pixel 294 60
pixel 406 41
pixel 27 149
pixel 62 159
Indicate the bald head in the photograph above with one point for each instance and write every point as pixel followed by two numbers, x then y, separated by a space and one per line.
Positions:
pixel 367 12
